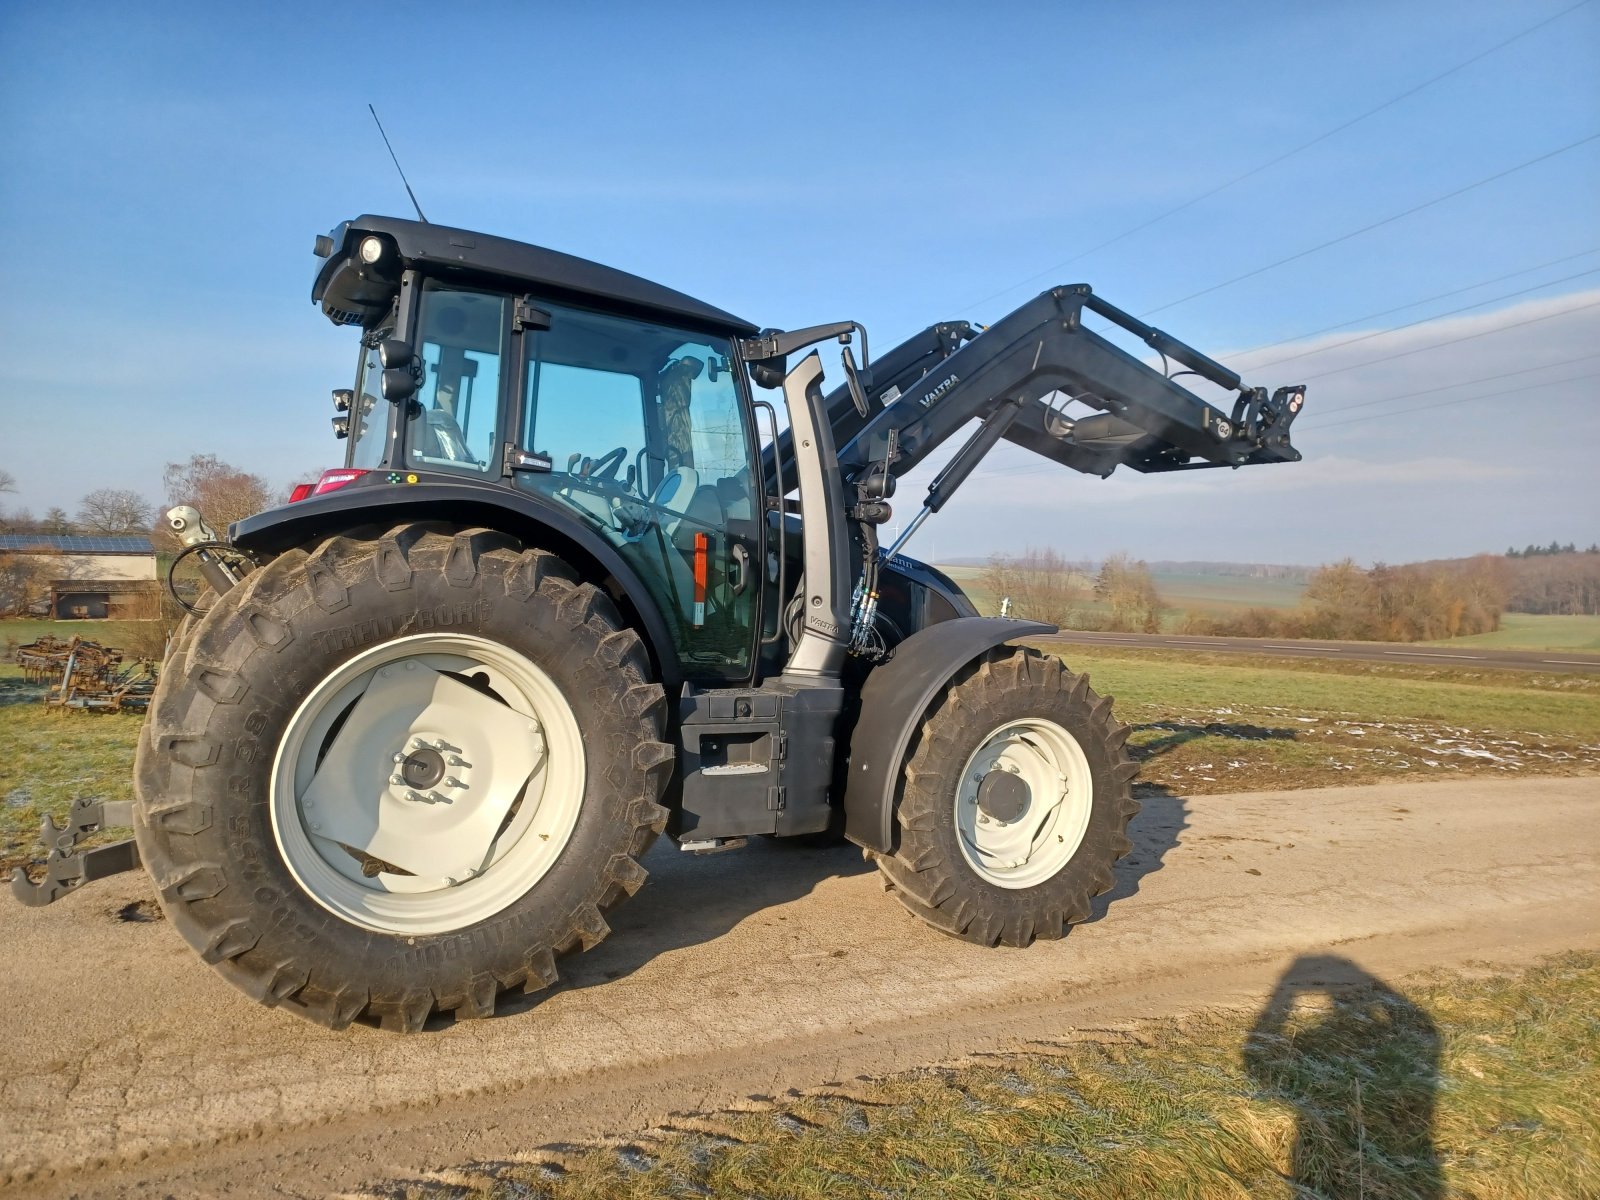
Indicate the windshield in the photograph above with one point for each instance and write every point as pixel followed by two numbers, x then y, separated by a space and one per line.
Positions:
pixel 368 419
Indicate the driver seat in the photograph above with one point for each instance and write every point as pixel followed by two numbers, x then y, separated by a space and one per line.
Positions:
pixel 675 493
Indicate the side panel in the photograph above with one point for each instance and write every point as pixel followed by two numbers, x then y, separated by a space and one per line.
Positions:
pixel 520 514
pixel 893 703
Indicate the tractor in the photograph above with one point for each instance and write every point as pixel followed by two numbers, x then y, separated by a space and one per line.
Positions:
pixel 576 585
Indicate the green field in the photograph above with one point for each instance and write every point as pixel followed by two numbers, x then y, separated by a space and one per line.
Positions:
pixel 1467 1085
pixel 1527 631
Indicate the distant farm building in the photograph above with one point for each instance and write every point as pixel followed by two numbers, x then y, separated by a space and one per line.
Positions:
pixel 90 578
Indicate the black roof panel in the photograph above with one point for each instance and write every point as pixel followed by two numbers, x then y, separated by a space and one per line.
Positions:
pixel 443 246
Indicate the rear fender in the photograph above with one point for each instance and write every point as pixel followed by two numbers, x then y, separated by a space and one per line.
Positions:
pixel 894 701
pixel 532 519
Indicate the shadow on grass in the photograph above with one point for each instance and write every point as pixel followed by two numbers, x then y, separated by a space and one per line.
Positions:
pixel 1358 1063
pixel 1177 735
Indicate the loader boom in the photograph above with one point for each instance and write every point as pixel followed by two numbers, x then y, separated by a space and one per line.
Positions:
pixel 1042 356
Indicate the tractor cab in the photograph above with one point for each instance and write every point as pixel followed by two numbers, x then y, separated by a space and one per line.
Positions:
pixel 611 398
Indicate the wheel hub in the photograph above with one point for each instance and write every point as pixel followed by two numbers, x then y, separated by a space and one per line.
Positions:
pixel 1002 796
pixel 1023 803
pixel 422 769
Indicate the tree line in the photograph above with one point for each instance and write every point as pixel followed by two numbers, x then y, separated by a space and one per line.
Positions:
pixel 1532 551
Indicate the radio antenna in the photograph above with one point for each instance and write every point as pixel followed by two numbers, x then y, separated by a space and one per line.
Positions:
pixel 397 166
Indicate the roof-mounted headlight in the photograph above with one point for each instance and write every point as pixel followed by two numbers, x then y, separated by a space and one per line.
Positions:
pixel 371 249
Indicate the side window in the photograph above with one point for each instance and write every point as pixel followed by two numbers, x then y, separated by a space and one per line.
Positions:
pixel 455 416
pixel 573 411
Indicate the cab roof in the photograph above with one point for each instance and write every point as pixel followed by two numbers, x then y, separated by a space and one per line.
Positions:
pixel 441 248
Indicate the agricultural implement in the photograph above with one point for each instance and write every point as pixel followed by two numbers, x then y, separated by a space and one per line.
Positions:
pixel 573 587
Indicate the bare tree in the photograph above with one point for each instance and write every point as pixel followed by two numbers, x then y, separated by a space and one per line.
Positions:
pixel 1129 590
pixel 221 491
pixel 1042 585
pixel 56 522
pixel 8 481
pixel 114 511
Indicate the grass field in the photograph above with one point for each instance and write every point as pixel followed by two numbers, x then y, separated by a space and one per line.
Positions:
pixel 1448 1085
pixel 1528 631
pixel 47 759
pixel 1207 723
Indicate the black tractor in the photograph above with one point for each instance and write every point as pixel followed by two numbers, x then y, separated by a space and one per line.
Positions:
pixel 576 585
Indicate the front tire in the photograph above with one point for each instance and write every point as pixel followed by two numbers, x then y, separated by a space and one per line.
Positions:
pixel 1016 803
pixel 323 869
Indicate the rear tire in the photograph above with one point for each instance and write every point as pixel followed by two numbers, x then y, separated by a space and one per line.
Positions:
pixel 219 828
pixel 1021 720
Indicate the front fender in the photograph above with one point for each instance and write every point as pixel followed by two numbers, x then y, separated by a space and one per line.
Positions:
pixel 894 701
pixel 531 518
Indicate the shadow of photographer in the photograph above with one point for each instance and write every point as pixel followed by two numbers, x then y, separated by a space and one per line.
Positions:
pixel 1358 1063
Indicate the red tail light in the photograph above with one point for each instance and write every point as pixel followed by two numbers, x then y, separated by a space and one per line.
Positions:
pixel 301 491
pixel 332 481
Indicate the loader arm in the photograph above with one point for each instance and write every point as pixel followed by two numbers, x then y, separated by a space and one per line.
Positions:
pixel 930 387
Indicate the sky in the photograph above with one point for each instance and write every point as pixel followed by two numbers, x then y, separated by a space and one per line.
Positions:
pixel 167 167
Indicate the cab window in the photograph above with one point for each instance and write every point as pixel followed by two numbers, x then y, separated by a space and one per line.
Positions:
pixel 454 417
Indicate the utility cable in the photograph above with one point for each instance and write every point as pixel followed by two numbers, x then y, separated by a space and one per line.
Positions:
pixel 1445 387
pixel 1453 341
pixel 1400 412
pixel 1288 154
pixel 1300 337
pixel 1389 220
pixel 1376 333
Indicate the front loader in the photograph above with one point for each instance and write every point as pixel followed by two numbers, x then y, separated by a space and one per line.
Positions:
pixel 573 587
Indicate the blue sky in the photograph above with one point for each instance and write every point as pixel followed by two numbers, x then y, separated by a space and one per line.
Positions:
pixel 166 169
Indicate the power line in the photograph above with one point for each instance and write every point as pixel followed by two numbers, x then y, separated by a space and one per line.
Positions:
pixel 1272 362
pixel 1453 341
pixel 1445 387
pixel 1399 412
pixel 1389 220
pixel 1288 154
pixel 1300 337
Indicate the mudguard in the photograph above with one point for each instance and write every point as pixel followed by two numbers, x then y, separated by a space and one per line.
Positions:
pixel 523 514
pixel 894 701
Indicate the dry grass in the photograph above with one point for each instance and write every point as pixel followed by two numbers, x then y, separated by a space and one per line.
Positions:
pixel 1459 1086
pixel 1211 723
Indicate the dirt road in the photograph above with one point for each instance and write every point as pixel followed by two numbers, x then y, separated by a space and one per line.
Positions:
pixel 131 1069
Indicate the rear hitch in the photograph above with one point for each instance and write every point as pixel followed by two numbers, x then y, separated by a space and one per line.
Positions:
pixel 67 868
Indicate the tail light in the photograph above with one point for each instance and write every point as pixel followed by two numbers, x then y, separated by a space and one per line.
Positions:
pixel 300 492
pixel 332 481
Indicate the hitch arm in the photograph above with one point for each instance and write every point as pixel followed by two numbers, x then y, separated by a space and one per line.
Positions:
pixel 67 868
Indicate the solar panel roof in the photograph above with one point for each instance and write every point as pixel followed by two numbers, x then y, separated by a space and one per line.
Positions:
pixel 76 544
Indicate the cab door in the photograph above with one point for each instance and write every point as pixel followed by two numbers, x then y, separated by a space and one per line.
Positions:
pixel 648 433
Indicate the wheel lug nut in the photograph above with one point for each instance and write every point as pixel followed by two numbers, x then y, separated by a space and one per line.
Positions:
pixel 398 756
pixel 453 782
pixel 396 779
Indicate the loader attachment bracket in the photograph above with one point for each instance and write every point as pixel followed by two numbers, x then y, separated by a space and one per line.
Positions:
pixel 68 868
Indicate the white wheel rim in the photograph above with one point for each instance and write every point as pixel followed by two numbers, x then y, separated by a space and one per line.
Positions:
pixel 359 767
pixel 1020 832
